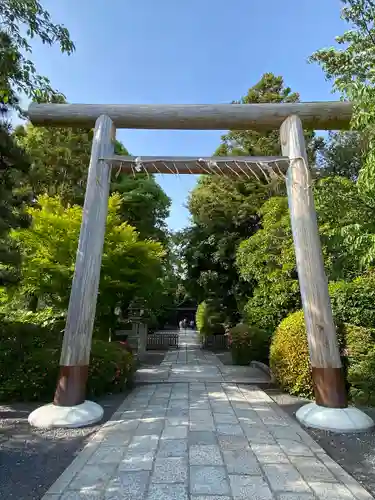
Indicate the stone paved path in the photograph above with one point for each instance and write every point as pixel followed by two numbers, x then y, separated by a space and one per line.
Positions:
pixel 191 364
pixel 202 440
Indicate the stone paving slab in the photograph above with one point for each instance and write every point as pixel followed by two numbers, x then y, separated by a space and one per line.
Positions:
pixel 205 440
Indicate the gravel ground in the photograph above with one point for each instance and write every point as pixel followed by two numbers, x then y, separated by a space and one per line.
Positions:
pixel 32 459
pixel 354 452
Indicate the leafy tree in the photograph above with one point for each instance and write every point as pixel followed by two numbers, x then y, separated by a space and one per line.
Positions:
pixel 267 258
pixel 225 212
pixel 60 159
pixel 222 218
pixel 267 261
pixel 13 164
pixel 341 155
pixel 270 88
pixel 20 21
pixel 144 205
pixel 351 68
pixel 130 266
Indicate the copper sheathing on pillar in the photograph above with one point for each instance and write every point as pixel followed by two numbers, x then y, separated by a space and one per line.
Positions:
pixel 71 386
pixel 329 387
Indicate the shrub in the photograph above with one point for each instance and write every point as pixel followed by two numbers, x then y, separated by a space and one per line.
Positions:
pixel 248 343
pixel 289 356
pixel 361 377
pixel 360 363
pixel 209 319
pixel 353 302
pixel 200 316
pixel 48 319
pixel 29 359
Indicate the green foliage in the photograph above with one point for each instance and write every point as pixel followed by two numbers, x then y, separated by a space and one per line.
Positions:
pixel 29 357
pixel 289 356
pixel 144 205
pixel 267 259
pixel 353 301
pixel 130 266
pixel 21 21
pixel 46 319
pixel 354 60
pixel 248 343
pixel 362 380
pixel 60 159
pixel 209 319
pixel 200 316
pixel 341 155
pixel 225 212
pixel 13 165
pixel 351 68
pixel 347 228
pixel 270 88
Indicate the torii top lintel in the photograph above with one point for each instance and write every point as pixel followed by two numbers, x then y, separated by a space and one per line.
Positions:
pixel 334 115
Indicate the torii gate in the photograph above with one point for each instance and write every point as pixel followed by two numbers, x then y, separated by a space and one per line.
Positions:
pixel 70 408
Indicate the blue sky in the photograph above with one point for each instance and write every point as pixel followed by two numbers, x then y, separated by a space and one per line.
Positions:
pixel 185 51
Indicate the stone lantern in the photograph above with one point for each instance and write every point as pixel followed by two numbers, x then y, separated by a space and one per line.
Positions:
pixel 138 337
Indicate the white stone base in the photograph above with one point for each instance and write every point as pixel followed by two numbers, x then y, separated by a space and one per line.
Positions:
pixel 50 415
pixel 342 420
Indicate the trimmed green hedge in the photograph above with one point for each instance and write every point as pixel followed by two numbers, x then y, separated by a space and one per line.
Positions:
pixel 353 302
pixel 289 358
pixel 248 343
pixel 29 360
pixel 209 320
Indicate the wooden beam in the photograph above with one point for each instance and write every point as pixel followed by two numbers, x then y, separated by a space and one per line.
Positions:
pixel 75 354
pixel 321 332
pixel 267 116
pixel 234 166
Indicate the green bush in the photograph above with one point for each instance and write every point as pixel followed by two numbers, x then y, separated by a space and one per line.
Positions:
pixel 209 320
pixel 248 343
pixel 353 302
pixel 360 363
pixel 361 377
pixel 289 358
pixel 200 316
pixel 29 360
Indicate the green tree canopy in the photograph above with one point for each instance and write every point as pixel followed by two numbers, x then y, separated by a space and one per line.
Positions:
pixel 59 159
pixel 59 164
pixel 267 259
pixel 342 154
pixel 13 165
pixel 130 266
pixel 351 69
pixel 21 21
pixel 225 212
pixel 144 204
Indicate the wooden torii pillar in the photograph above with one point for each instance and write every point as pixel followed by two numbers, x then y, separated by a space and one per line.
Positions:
pixel 328 378
pixel 70 408
pixel 330 411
